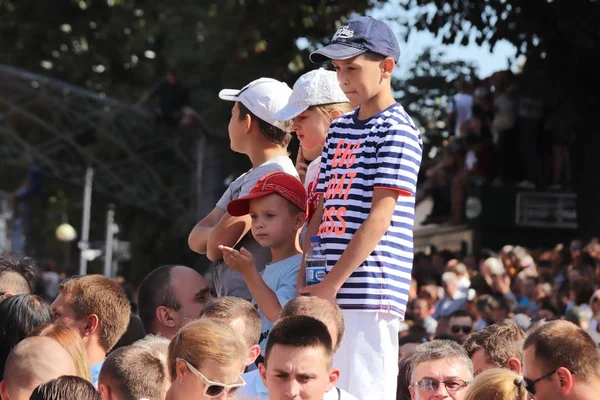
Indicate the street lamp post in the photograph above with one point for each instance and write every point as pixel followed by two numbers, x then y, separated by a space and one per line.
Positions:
pixel 85 229
pixel 111 229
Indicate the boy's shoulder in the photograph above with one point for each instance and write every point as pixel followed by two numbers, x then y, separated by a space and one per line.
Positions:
pixel 276 164
pixel 290 262
pixel 394 117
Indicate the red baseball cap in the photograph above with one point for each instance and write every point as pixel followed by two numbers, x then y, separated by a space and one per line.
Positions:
pixel 281 183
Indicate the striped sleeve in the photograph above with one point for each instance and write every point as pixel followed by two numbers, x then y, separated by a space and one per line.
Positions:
pixel 398 159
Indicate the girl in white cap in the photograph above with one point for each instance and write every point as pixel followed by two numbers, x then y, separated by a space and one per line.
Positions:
pixel 316 100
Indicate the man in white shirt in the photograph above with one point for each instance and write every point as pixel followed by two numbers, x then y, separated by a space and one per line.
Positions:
pixel 454 299
pixel 460 109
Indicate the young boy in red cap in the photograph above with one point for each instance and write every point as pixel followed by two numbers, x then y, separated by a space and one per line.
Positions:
pixel 277 207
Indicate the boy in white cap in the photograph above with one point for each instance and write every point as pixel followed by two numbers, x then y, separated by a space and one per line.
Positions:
pixel 255 132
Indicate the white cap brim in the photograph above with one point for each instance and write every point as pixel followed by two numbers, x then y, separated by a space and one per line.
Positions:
pixel 229 94
pixel 290 112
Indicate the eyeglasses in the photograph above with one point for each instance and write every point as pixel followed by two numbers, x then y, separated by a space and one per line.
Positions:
pixel 214 389
pixel 530 385
pixel 465 328
pixel 594 300
pixel 430 385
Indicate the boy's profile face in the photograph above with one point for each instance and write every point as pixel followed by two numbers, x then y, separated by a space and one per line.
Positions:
pixel 273 223
pixel 237 128
pixel 360 78
pixel 298 373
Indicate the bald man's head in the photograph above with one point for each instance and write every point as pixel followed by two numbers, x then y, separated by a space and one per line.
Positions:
pixel 32 362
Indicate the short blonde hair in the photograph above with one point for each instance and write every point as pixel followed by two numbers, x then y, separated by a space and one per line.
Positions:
pixel 228 308
pixel 320 309
pixel 134 373
pixel 497 384
pixel 69 339
pixel 99 295
pixel 205 339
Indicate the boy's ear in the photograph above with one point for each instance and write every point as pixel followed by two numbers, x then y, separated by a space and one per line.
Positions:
pixel 334 375
pixel 299 221
pixel 387 67
pixel 247 123
pixel 262 370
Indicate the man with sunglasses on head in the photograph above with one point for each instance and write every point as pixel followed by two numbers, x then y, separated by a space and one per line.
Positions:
pixel 461 324
pixel 441 369
pixel 561 362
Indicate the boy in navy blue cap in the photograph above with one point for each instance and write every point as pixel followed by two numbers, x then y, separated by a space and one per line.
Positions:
pixel 368 180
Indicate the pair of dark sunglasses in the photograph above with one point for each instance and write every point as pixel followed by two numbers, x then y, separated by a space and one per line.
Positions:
pixel 530 384
pixel 465 328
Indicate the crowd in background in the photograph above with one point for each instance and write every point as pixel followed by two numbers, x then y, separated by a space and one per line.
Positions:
pixel 501 132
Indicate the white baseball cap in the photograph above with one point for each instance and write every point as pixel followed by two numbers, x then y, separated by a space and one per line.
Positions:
pixel 314 88
pixel 263 97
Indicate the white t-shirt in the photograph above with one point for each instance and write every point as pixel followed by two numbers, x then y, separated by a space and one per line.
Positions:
pixel 464 110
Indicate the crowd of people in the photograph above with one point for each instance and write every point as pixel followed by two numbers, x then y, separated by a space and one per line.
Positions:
pixel 380 323
pixel 501 132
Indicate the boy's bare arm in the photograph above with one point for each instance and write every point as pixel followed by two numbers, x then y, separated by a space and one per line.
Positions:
pixel 311 230
pixel 198 237
pixel 243 262
pixel 228 232
pixel 360 246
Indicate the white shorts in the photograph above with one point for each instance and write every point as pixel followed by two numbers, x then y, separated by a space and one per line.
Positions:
pixel 368 356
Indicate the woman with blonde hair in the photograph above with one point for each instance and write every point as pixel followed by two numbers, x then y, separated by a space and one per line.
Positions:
pixel 69 339
pixel 497 384
pixel 206 359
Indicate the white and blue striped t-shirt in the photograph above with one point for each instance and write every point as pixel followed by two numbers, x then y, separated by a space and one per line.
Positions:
pixel 382 151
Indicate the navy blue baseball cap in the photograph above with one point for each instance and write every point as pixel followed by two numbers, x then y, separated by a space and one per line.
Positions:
pixel 359 35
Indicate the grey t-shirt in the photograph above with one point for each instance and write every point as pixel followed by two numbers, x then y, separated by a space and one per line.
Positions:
pixel 227 281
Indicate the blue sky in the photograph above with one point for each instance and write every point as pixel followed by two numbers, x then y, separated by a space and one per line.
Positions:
pixel 488 62
pixel 401 20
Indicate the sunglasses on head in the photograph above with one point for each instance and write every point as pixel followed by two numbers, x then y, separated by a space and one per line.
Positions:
pixel 465 328
pixel 214 389
pixel 530 384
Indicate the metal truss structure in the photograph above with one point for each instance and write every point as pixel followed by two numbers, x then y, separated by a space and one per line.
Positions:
pixel 66 129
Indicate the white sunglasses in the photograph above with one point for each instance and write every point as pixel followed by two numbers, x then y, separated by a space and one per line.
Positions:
pixel 214 389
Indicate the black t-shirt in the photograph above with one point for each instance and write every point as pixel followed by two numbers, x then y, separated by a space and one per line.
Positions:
pixel 172 97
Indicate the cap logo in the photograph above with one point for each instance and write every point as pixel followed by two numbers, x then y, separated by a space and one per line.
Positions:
pixel 343 33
